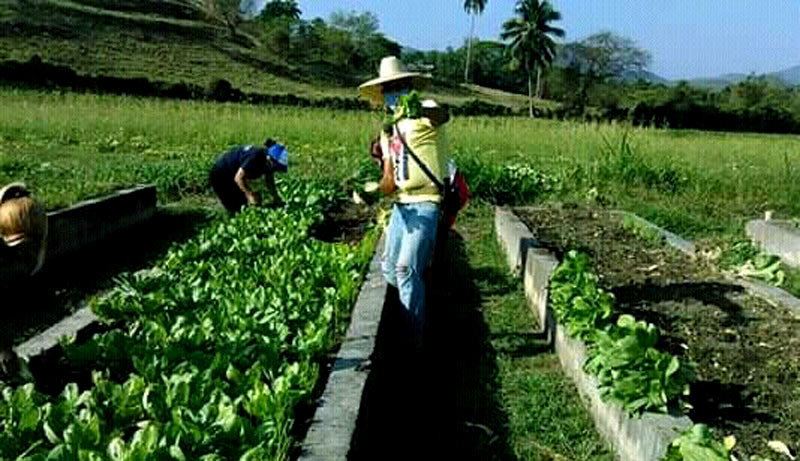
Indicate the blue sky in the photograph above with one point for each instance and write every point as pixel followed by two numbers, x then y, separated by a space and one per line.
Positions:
pixel 687 38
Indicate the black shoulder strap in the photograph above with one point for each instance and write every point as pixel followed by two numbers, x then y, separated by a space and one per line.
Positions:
pixel 421 164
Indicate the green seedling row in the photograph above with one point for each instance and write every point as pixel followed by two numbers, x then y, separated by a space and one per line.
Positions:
pixel 221 342
pixel 622 352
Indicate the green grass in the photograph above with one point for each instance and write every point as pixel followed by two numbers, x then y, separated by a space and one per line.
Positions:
pixel 696 184
pixel 546 420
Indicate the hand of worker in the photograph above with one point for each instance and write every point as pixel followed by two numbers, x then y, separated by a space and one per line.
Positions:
pixel 253 198
pixel 376 152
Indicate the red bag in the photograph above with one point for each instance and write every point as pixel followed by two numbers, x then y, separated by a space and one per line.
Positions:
pixel 456 196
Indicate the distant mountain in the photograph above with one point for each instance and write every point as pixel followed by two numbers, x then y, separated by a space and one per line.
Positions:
pixel 635 76
pixel 790 75
pixel 717 82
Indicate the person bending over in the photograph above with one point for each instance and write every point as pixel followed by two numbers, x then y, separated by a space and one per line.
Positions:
pixel 233 170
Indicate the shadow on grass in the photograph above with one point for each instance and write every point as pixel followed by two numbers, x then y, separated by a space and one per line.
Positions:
pixel 59 289
pixel 441 403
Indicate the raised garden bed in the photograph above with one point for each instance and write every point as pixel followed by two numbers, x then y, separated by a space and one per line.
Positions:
pixel 221 342
pixel 744 347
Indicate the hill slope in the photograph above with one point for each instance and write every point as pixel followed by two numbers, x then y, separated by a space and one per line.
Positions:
pixel 790 75
pixel 174 41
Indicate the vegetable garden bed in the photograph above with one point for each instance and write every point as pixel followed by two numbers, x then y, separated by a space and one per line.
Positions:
pixel 221 342
pixel 744 348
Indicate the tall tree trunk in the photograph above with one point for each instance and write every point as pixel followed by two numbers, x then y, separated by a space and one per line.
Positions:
pixel 530 95
pixel 469 46
pixel 538 82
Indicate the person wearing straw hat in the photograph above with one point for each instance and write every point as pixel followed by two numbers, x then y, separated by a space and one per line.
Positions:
pixel 412 151
pixel 23 230
pixel 231 172
pixel 23 242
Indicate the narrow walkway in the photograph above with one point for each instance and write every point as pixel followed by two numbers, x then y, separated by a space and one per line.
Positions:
pixel 486 387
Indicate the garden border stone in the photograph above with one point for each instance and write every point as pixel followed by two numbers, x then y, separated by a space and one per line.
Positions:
pixel 674 240
pixel 635 439
pixel 778 237
pixel 91 221
pixel 334 421
pixel 41 344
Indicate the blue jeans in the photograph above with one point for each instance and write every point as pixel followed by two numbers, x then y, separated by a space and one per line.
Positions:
pixel 410 242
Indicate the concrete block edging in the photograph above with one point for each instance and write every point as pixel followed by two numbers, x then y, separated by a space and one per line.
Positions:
pixel 635 439
pixel 335 419
pixel 778 237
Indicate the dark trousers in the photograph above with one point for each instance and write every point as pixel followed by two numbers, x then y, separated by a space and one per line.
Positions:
pixel 229 194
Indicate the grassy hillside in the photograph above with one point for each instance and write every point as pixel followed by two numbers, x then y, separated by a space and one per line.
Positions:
pixel 174 41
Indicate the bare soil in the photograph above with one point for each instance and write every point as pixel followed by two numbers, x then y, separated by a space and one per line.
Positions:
pixel 745 349
pixel 347 223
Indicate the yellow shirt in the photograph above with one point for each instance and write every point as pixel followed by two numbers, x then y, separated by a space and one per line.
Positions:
pixel 428 143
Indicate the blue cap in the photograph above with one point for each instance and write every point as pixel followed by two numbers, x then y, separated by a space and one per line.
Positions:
pixel 280 155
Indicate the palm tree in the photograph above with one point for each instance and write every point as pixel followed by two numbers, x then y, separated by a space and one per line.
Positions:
pixel 280 9
pixel 532 46
pixel 473 8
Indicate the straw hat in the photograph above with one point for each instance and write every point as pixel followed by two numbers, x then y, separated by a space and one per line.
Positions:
pixel 391 69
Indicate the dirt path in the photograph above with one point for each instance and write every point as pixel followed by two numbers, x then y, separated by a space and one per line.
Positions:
pixel 486 387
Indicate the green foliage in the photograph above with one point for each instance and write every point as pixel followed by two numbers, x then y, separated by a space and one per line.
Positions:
pixel 530 34
pixel 621 163
pixel 642 230
pixel 408 106
pixel 631 371
pixel 279 9
pixel 745 260
pixel 512 183
pixel 220 343
pixel 698 444
pixel 577 301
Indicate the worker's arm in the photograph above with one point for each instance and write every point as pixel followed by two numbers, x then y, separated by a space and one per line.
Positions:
pixel 241 180
pixel 269 183
pixel 387 184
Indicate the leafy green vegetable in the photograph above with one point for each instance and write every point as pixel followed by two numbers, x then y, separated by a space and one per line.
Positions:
pixel 697 444
pixel 408 106
pixel 631 371
pixel 764 267
pixel 220 344
pixel 577 301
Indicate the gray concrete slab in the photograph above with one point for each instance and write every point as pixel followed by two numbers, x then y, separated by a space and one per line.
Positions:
pixel 43 342
pixel 776 237
pixel 334 421
pixel 673 240
pixel 633 439
pixel 91 221
pixel 770 294
pixel 514 237
pixel 539 267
